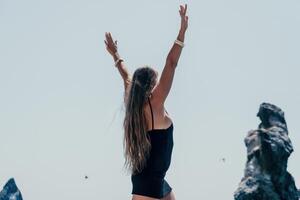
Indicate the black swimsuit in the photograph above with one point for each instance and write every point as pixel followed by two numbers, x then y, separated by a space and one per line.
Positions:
pixel 150 181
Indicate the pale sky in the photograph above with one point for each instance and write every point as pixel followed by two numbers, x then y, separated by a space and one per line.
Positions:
pixel 61 96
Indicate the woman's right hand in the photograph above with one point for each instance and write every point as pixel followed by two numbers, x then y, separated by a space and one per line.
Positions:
pixel 184 18
pixel 111 45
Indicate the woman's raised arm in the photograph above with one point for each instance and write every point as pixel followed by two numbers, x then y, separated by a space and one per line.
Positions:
pixel 111 47
pixel 163 87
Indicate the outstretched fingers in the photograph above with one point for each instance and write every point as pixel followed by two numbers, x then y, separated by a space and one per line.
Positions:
pixel 111 45
pixel 184 17
pixel 183 10
pixel 108 37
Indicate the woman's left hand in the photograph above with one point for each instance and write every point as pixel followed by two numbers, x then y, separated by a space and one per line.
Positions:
pixel 111 45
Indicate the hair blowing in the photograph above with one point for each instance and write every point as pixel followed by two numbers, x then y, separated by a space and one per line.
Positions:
pixel 136 143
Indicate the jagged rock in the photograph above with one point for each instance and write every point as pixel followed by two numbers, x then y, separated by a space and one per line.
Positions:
pixel 268 150
pixel 10 191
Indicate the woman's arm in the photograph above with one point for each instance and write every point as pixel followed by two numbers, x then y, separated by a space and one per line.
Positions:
pixel 111 47
pixel 163 87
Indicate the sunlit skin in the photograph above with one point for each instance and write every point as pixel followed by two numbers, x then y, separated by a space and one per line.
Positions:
pixel 163 84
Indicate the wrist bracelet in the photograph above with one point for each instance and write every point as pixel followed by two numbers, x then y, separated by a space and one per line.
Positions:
pixel 118 61
pixel 181 44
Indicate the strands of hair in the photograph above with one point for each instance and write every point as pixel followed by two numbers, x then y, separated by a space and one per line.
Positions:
pixel 136 142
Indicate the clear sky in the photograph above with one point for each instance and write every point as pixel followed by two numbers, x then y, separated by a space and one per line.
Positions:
pixel 61 96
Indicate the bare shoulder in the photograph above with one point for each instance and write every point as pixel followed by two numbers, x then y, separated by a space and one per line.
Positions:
pixel 156 102
pixel 161 118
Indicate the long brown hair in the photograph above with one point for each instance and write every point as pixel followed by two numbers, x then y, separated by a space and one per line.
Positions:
pixel 136 141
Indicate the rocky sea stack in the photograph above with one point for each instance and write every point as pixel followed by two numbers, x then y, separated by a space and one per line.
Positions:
pixel 10 191
pixel 268 150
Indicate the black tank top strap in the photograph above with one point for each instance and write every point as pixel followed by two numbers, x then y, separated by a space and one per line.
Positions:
pixel 151 113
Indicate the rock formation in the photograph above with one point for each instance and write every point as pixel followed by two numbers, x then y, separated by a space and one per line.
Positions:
pixel 268 150
pixel 10 191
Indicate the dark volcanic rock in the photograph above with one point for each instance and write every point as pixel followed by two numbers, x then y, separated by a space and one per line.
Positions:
pixel 10 191
pixel 268 150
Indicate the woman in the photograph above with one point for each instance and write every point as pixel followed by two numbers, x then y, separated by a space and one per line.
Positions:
pixel 148 137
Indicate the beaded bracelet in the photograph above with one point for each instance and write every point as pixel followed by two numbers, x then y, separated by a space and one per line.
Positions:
pixel 181 44
pixel 118 61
